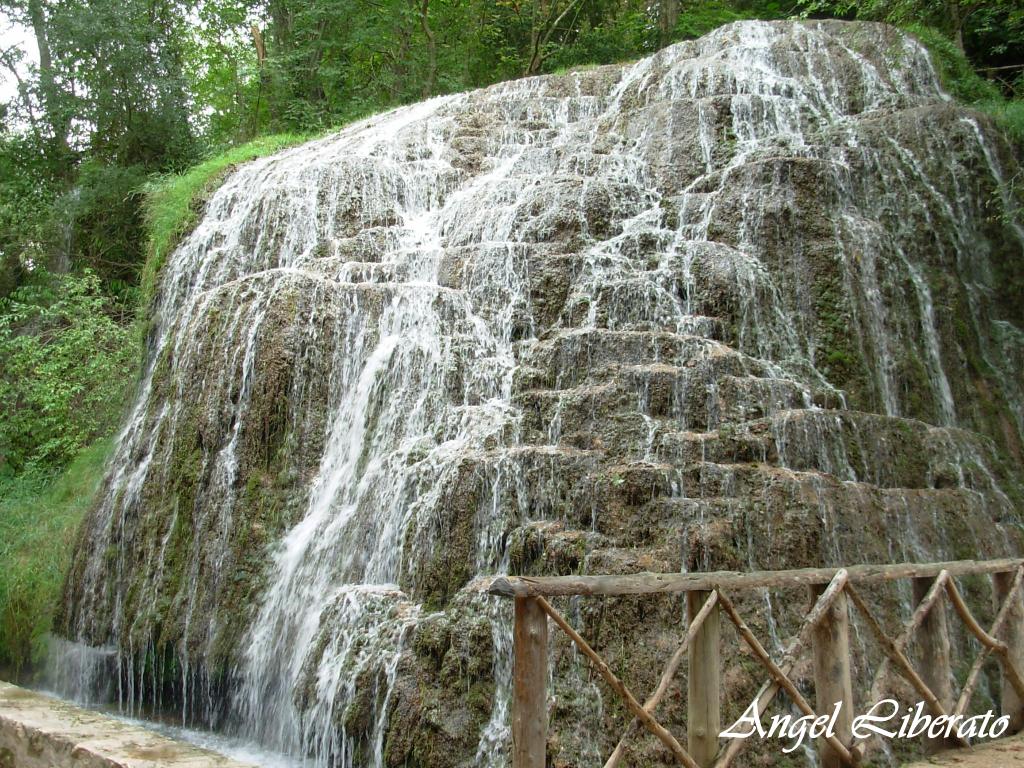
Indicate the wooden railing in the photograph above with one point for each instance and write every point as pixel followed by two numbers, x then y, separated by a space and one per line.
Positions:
pixel 824 633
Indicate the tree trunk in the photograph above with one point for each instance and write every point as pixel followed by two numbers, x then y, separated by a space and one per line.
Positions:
pixel 956 21
pixel 540 34
pixel 56 117
pixel 540 9
pixel 428 33
pixel 261 60
pixel 668 17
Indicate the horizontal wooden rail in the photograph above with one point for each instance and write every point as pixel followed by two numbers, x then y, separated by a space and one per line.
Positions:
pixel 824 632
pixel 659 583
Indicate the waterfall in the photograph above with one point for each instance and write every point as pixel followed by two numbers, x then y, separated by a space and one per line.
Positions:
pixel 742 290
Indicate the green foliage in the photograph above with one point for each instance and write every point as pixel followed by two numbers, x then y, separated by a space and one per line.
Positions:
pixel 1010 115
pixel 964 84
pixel 700 18
pixel 26 193
pixel 955 72
pixel 990 33
pixel 38 518
pixel 625 36
pixel 173 203
pixel 98 224
pixel 223 74
pixel 66 360
pixel 110 82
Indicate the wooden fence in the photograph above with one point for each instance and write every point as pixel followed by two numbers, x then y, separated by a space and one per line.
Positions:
pixel 824 633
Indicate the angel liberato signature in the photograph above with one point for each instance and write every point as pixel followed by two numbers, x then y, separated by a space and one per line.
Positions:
pixel 882 719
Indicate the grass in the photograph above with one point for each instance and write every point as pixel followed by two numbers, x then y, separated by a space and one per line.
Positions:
pixel 39 517
pixel 573 68
pixel 173 203
pixel 1010 115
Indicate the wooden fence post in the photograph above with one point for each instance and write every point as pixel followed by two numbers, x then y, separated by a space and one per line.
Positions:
pixel 933 644
pixel 1012 634
pixel 703 720
pixel 530 681
pixel 830 641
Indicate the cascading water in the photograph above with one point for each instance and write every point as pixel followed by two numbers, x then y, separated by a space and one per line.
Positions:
pixel 746 290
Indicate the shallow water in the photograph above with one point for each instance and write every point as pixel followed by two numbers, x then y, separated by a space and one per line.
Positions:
pixel 243 750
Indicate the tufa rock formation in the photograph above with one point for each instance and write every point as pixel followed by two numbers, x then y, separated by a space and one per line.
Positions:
pixel 752 302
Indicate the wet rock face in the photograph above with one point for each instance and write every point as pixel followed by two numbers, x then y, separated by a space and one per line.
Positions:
pixel 749 303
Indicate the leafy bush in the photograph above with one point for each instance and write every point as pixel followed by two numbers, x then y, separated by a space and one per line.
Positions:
pixel 631 34
pixel 100 223
pixel 697 19
pixel 38 519
pixel 1010 115
pixel 26 194
pixel 624 37
pixel 66 361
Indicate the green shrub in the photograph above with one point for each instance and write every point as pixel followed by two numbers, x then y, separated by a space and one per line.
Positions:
pixel 624 37
pixel 26 197
pixel 697 19
pixel 66 364
pixel 39 515
pixel 98 224
pixel 1010 115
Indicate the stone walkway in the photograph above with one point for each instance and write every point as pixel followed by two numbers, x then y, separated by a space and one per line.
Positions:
pixel 38 731
pixel 1001 753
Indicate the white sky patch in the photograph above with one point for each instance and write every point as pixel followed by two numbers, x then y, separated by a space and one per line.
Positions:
pixel 13 34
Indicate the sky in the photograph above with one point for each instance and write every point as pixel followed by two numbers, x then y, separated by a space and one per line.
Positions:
pixel 12 34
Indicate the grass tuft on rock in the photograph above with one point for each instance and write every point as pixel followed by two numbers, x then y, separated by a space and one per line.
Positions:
pixel 39 516
pixel 173 202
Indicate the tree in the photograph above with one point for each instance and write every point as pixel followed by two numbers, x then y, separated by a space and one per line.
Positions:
pixel 39 18
pixel 952 17
pixel 546 18
pixel 668 17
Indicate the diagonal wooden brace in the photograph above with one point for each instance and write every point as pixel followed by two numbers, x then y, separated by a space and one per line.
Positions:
pixel 780 676
pixel 1010 670
pixel 894 652
pixel 793 652
pixel 972 677
pixel 666 678
pixel 619 687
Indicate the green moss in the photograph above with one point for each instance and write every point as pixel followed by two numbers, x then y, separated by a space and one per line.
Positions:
pixel 575 68
pixel 839 360
pixel 480 697
pixel 917 390
pixel 38 520
pixel 954 70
